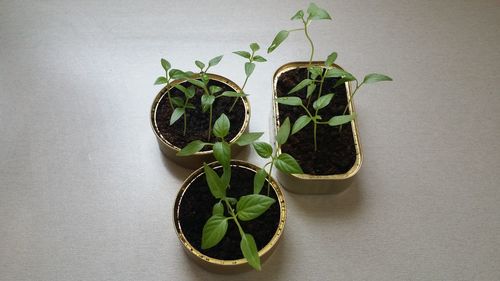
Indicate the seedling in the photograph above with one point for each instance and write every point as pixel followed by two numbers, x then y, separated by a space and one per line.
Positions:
pixel 317 75
pixel 247 207
pixel 249 68
pixel 209 96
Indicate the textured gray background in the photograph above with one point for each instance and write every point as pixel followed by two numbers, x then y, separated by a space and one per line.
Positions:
pixel 86 195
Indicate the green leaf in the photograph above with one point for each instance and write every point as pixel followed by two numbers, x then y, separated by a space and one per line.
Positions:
pixel 221 126
pixel 339 82
pixel 301 85
pixel 316 13
pixel 176 114
pixel 298 15
pixel 300 123
pixel 161 80
pixel 252 206
pixel 322 101
pixel 254 47
pixel 249 250
pixel 190 92
pixel 341 119
pixel 283 132
pixel 287 164
pixel 199 64
pixel 222 152
pixel 375 77
pixel 214 61
pixel 244 54
pixel 233 94
pixel 165 64
pixel 331 59
pixel 197 83
pixel 191 148
pixel 214 89
pixel 181 88
pixel 249 67
pixel 264 149
pixel 177 74
pixel 218 209
pixel 213 231
pixel 206 102
pixel 177 101
pixel 259 59
pixel 337 72
pixel 315 71
pixel 258 180
pixel 294 101
pixel 310 89
pixel 280 37
pixel 248 138
pixel 217 187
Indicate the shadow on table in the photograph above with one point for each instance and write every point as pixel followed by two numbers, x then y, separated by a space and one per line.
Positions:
pixel 342 204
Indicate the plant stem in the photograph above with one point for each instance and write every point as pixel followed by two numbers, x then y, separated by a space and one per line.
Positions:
pixel 269 176
pixel 310 41
pixel 235 218
pixel 169 96
pixel 316 112
pixel 350 100
pixel 210 124
pixel 185 121
pixel 236 99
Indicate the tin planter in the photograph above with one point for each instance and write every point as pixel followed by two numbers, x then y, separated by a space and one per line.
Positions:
pixel 171 143
pixel 344 168
pixel 193 207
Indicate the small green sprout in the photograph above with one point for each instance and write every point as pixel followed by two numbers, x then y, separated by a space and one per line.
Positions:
pixel 209 96
pixel 313 13
pixel 247 207
pixel 178 105
pixel 249 68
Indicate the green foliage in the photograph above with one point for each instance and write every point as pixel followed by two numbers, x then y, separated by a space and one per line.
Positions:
pixel 278 39
pixel 213 231
pixel 252 206
pixel 221 126
pixel 287 164
pixel 316 13
pixel 249 250
pixel 247 207
pixel 283 132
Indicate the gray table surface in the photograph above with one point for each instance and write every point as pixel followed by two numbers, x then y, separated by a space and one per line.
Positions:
pixel 86 195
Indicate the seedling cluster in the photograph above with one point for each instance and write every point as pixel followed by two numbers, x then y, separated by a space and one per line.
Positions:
pixel 315 79
pixel 247 207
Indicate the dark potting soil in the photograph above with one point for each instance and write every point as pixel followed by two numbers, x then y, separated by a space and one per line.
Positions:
pixel 336 152
pixel 196 208
pixel 198 121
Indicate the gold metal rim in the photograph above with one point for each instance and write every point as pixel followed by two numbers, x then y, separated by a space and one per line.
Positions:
pixel 359 157
pixel 162 94
pixel 230 263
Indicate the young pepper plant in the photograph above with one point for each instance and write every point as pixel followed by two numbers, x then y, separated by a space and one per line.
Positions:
pixel 249 68
pixel 170 75
pixel 313 13
pixel 209 96
pixel 245 208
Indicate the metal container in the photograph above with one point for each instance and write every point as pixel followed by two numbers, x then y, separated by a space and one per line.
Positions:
pixel 196 160
pixel 228 266
pixel 315 184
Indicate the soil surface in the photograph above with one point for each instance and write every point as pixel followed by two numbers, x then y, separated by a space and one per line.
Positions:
pixel 197 121
pixel 336 152
pixel 196 208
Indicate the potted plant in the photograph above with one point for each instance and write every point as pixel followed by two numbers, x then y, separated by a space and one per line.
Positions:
pixel 229 215
pixel 318 97
pixel 185 108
